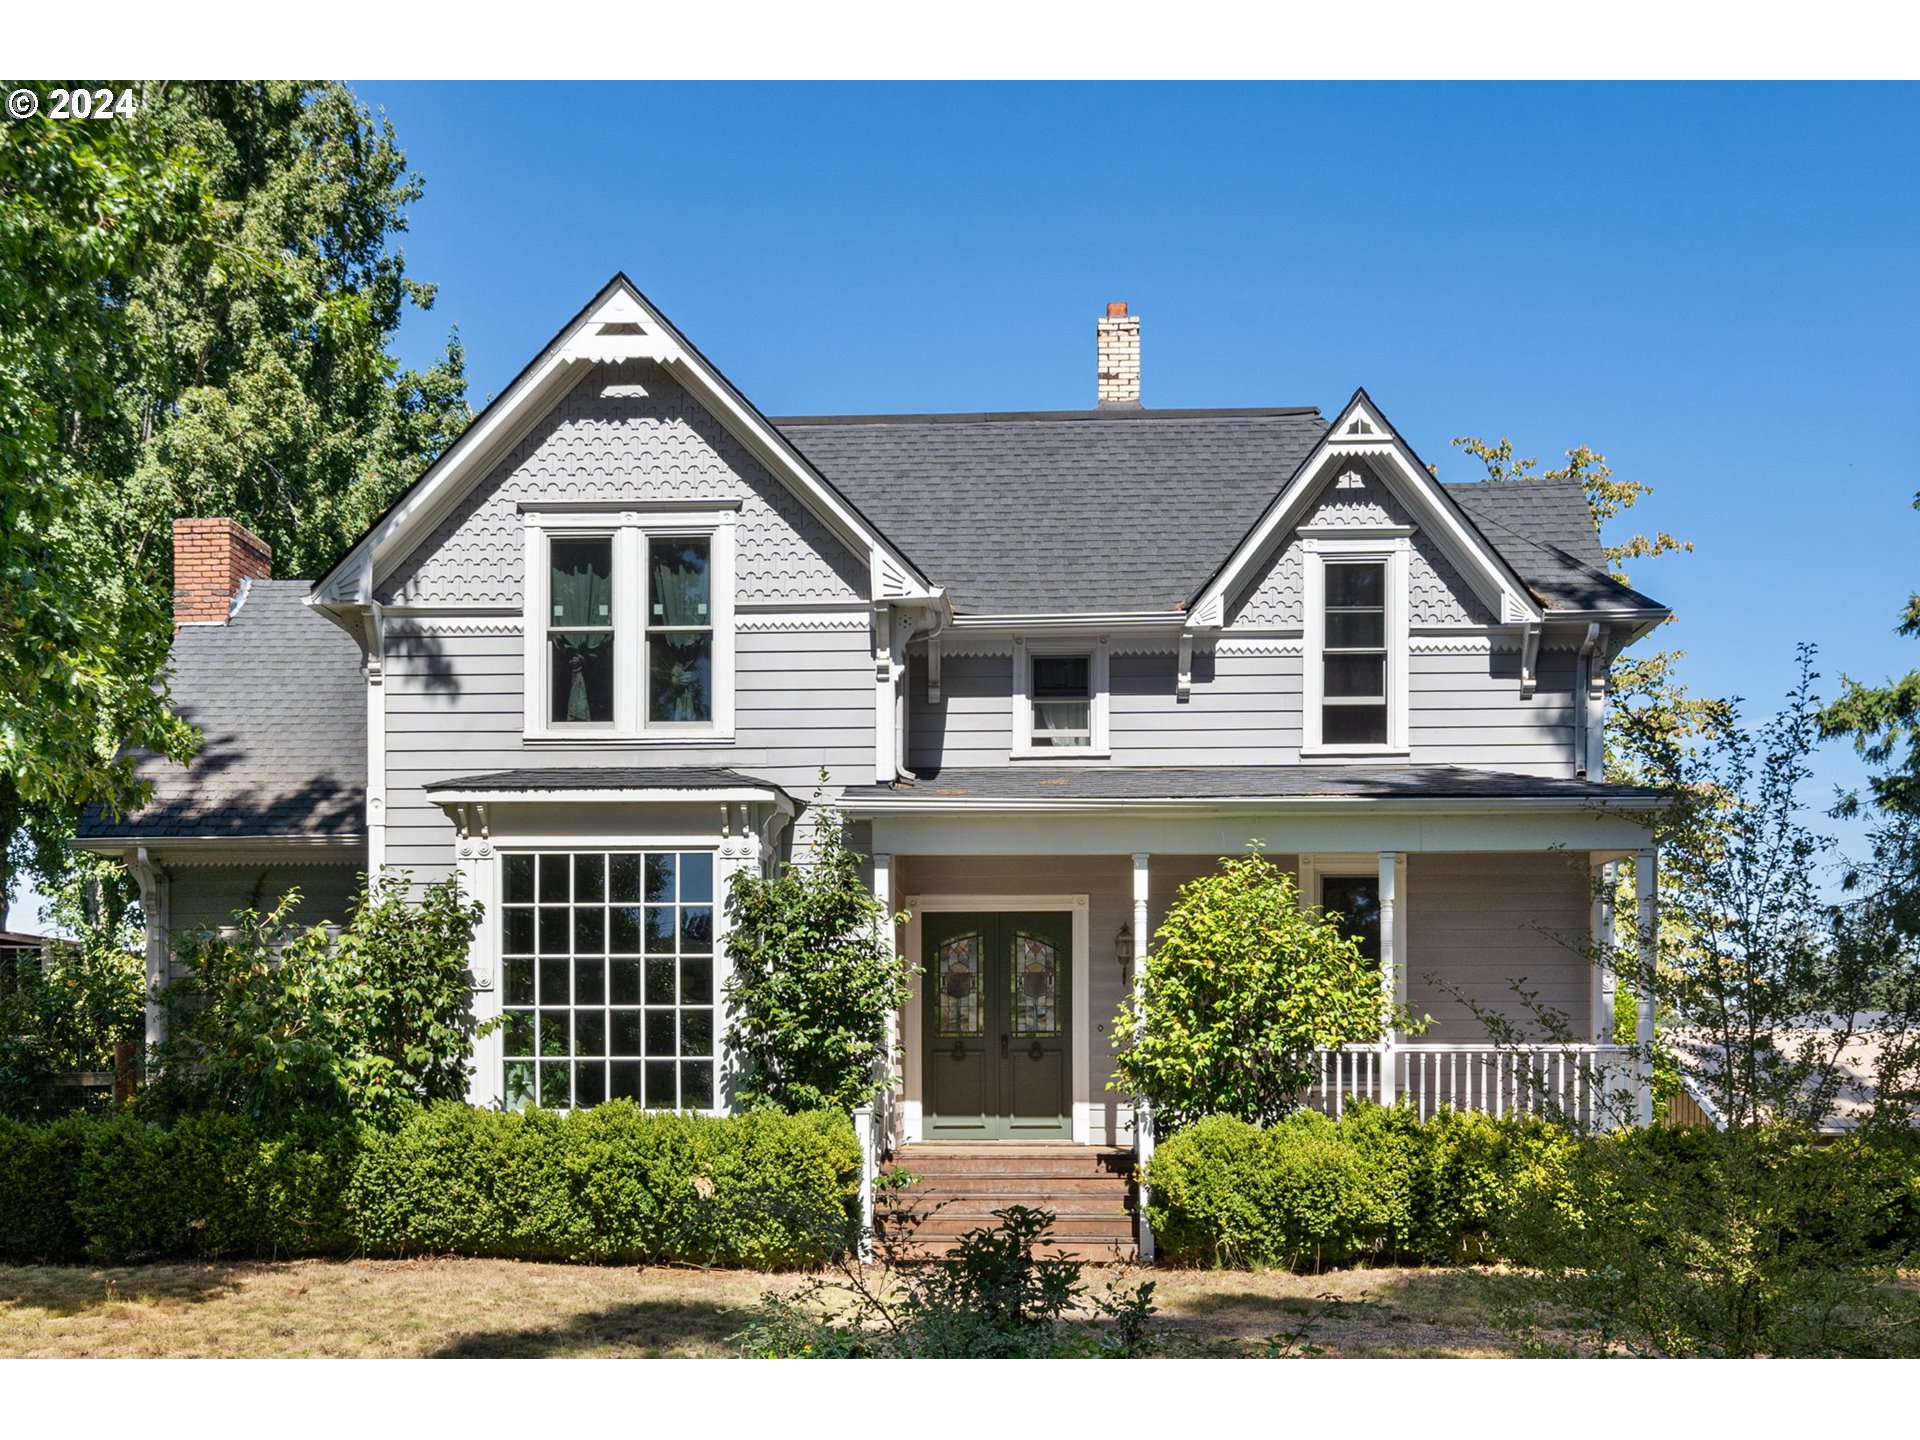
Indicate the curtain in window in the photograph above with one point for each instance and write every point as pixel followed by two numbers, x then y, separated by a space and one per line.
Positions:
pixel 680 595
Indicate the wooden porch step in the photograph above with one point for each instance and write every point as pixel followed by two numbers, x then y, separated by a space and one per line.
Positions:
pixel 1091 1253
pixel 957 1187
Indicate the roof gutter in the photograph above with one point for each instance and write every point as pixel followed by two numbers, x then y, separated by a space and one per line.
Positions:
pixel 1431 805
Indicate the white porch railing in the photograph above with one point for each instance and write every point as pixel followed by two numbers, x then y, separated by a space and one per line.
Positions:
pixel 1589 1086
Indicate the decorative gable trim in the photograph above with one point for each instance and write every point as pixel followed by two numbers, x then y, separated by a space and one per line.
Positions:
pixel 618 325
pixel 1361 430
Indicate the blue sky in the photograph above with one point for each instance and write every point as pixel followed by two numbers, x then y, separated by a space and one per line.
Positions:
pixel 1713 285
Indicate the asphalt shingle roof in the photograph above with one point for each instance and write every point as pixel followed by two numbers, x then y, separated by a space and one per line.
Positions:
pixel 1104 511
pixel 278 696
pixel 1256 782
pixel 1068 512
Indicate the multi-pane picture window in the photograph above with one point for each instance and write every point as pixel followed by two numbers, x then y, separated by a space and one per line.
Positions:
pixel 580 628
pixel 679 630
pixel 1062 697
pixel 1354 654
pixel 608 979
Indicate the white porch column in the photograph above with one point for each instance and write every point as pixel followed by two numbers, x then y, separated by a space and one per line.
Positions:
pixel 479 875
pixel 1392 970
pixel 1645 879
pixel 872 1121
pixel 1142 1111
pixel 156 904
pixel 1604 983
pixel 739 850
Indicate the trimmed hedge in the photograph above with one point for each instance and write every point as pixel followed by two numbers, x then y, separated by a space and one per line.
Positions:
pixel 614 1183
pixel 1378 1184
pixel 610 1184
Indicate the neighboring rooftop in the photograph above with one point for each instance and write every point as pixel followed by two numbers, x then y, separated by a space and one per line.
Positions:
pixel 1133 510
pixel 279 698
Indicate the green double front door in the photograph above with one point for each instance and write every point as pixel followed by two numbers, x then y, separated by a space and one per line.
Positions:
pixel 996 1014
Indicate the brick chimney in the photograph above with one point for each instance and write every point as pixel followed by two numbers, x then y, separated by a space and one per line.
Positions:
pixel 212 560
pixel 1118 344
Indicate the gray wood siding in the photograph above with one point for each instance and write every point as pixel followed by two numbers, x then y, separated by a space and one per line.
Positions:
pixel 453 704
pixel 1480 922
pixel 204 897
pixel 1245 710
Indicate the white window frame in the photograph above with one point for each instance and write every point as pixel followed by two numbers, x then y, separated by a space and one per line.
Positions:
pixel 1393 546
pixel 1098 688
pixel 630 532
pixel 490 1059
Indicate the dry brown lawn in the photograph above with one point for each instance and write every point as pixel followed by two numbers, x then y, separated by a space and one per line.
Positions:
pixel 499 1308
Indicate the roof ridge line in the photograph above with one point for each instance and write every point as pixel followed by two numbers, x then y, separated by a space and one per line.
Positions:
pixel 984 417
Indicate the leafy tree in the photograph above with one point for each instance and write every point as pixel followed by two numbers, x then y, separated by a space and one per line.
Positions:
pixel 815 980
pixel 199 310
pixel 70 1009
pixel 84 208
pixel 1884 724
pixel 267 391
pixel 274 1022
pixel 1243 984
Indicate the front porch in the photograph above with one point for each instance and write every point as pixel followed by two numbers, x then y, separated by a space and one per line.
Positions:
pixel 1459 903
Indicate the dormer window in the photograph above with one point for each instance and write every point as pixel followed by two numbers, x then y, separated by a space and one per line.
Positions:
pixel 1354 657
pixel 633 639
pixel 1355 702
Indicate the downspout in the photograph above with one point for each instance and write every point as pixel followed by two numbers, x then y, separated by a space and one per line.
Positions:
pixel 1583 741
pixel 930 623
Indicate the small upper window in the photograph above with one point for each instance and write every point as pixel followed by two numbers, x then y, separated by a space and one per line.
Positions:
pixel 580 636
pixel 679 631
pixel 1354 680
pixel 1062 698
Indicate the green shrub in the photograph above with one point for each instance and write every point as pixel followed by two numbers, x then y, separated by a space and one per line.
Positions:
pixel 1296 1193
pixel 1744 1243
pixel 1378 1183
pixel 39 1166
pixel 614 1183
pixel 214 1186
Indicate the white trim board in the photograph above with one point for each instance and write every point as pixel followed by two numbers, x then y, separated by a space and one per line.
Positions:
pixel 1080 1068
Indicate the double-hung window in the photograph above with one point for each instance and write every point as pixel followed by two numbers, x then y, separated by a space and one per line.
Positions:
pixel 1355 700
pixel 630 634
pixel 1060 700
pixel 1354 657
pixel 580 631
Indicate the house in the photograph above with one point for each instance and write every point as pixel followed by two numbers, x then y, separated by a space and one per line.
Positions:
pixel 1052 665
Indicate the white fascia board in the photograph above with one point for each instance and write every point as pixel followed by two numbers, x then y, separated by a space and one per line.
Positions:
pixel 1117 620
pixel 741 795
pixel 1491 576
pixel 1423 805
pixel 232 849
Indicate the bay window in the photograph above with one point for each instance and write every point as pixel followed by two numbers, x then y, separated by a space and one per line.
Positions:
pixel 607 977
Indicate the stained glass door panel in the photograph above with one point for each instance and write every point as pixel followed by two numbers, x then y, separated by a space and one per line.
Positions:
pixel 997 1003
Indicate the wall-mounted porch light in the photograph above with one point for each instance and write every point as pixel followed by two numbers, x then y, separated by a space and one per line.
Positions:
pixel 1123 947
